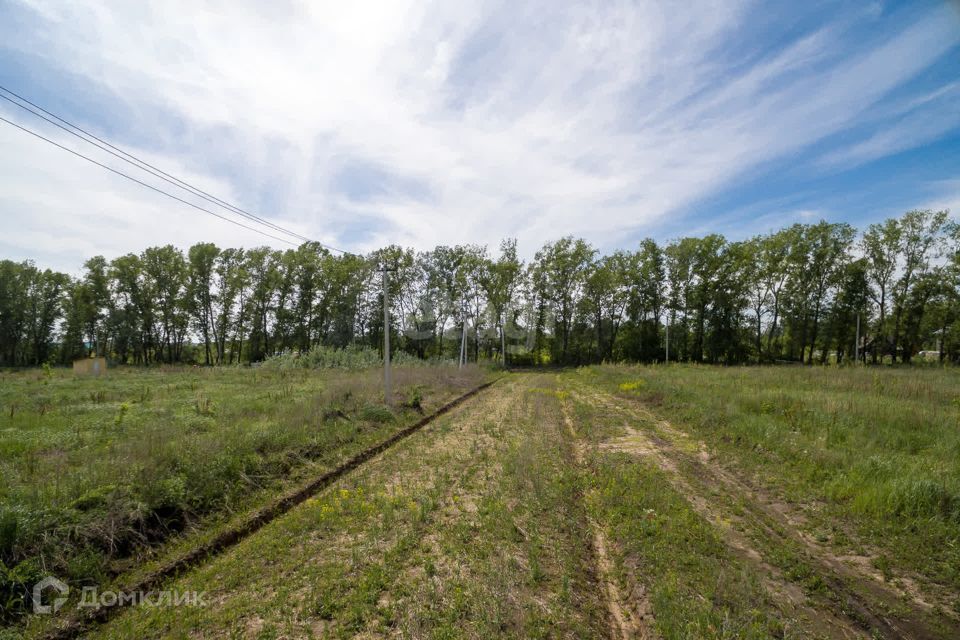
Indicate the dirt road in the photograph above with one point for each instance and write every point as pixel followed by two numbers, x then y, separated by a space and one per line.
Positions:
pixel 539 508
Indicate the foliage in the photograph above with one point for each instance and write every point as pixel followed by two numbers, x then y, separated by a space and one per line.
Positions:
pixel 796 294
pixel 354 358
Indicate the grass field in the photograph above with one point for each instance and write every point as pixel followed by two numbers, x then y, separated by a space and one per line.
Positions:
pixel 95 471
pixel 836 489
pixel 615 501
pixel 871 457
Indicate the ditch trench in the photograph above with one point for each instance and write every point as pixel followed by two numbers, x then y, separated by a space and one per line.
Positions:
pixel 75 626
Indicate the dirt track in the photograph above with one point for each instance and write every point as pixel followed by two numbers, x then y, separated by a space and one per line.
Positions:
pixel 755 522
pixel 476 525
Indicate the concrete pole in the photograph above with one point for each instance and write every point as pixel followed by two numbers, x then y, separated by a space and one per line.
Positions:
pixel 667 326
pixel 503 345
pixel 857 347
pixel 387 395
pixel 463 341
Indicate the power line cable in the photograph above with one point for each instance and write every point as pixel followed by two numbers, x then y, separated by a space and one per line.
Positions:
pixel 137 162
pixel 144 184
pixel 146 166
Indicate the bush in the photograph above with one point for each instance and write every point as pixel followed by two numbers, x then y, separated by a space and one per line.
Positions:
pixel 415 399
pixel 326 358
pixel 15 585
pixel 376 413
pixel 353 357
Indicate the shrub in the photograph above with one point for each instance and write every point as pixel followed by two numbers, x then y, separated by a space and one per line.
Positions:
pixel 415 399
pixel 376 413
pixel 353 357
pixel 631 386
pixel 95 498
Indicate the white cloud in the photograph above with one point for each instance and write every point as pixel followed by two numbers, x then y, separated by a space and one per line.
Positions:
pixel 533 120
pixel 947 196
pixel 61 210
pixel 926 119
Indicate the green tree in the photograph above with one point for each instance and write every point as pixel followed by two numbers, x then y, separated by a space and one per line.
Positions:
pixel 14 282
pixel 230 282
pixel 647 300
pixel 262 266
pixel 76 312
pixel 919 236
pixel 758 285
pixel 165 275
pixel 132 309
pixel 829 246
pixel 775 252
pixel 560 269
pixel 679 258
pixel 499 281
pixel 202 259
pixel 97 308
pixel 606 293
pixel 44 306
pixel 880 246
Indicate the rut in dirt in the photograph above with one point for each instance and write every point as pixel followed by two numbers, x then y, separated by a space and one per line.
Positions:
pixel 628 620
pixel 862 606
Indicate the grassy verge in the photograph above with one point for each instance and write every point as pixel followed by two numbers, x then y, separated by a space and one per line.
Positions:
pixel 697 584
pixel 96 472
pixel 471 528
pixel 868 459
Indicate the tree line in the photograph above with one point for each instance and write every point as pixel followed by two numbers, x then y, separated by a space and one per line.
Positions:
pixel 801 294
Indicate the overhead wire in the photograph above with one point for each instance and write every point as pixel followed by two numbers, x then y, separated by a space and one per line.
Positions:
pixel 73 129
pixel 142 183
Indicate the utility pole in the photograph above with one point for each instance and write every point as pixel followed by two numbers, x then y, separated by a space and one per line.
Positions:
pixel 667 327
pixel 387 395
pixel 463 338
pixel 503 333
pixel 857 346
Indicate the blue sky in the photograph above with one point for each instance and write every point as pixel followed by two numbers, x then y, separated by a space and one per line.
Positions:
pixel 424 123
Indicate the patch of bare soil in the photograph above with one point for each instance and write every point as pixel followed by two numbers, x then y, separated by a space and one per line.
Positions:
pixel 782 590
pixel 401 474
pixel 466 441
pixel 629 618
pixel 865 598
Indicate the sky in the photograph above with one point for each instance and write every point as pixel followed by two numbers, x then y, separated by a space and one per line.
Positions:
pixel 361 124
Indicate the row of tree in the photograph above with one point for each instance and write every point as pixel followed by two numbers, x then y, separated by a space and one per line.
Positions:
pixel 804 294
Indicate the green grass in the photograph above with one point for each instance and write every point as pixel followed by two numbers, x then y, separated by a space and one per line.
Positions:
pixel 483 524
pixel 699 589
pixel 697 585
pixel 472 528
pixel 871 455
pixel 93 471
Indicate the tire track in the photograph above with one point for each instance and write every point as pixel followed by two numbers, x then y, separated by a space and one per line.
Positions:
pixel 623 623
pixel 862 605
